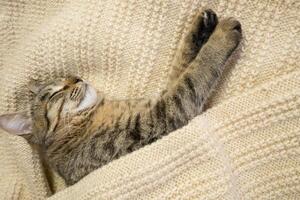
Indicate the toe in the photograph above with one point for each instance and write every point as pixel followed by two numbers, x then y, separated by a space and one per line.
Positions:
pixel 210 18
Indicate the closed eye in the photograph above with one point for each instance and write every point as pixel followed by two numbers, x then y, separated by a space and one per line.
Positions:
pixel 58 91
pixel 54 94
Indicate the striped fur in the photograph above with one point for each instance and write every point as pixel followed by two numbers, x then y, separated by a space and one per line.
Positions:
pixel 76 143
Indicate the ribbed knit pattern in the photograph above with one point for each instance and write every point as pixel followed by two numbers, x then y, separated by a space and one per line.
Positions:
pixel 246 145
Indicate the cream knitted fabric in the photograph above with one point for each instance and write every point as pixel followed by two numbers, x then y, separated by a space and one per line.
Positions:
pixel 245 146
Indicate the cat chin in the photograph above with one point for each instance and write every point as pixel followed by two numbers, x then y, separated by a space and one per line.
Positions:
pixel 90 98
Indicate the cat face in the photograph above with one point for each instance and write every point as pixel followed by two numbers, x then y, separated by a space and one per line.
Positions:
pixel 53 103
pixel 67 95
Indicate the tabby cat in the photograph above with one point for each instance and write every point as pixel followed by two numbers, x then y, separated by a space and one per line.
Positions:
pixel 79 130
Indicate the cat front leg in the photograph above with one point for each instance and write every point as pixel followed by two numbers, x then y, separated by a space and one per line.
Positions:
pixel 186 98
pixel 205 70
pixel 200 30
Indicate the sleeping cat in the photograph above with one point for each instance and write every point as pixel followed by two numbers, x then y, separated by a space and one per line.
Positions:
pixel 79 130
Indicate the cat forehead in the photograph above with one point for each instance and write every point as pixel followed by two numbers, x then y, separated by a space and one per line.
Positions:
pixel 49 89
pixel 53 86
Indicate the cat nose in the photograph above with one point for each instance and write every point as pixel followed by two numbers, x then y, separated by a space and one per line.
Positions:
pixel 77 80
pixel 73 80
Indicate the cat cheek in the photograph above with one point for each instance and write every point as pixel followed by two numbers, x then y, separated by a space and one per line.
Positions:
pixel 53 124
pixel 90 98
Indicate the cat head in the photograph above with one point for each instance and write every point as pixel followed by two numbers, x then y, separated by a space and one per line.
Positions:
pixel 53 102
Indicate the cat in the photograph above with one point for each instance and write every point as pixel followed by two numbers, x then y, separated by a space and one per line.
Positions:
pixel 79 130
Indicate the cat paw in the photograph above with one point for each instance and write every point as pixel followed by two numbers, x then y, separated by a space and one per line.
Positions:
pixel 229 31
pixel 208 20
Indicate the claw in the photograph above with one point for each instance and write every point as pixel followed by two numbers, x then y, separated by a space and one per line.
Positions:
pixel 206 26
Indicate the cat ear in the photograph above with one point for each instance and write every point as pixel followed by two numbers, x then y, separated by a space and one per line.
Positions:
pixel 34 86
pixel 16 123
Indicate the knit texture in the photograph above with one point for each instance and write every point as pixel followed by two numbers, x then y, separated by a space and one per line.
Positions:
pixel 246 145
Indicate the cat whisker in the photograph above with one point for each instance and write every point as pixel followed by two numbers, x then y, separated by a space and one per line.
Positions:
pixel 76 94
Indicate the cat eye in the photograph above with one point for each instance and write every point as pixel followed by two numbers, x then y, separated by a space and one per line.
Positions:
pixel 55 94
pixel 58 92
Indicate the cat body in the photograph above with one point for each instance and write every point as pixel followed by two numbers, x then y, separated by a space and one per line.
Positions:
pixel 79 130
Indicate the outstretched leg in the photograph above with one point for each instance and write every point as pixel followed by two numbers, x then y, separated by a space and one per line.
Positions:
pixel 190 91
pixel 200 30
pixel 180 103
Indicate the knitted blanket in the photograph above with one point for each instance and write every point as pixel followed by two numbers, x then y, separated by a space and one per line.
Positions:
pixel 246 145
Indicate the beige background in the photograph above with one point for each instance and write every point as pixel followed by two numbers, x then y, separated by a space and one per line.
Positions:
pixel 245 146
